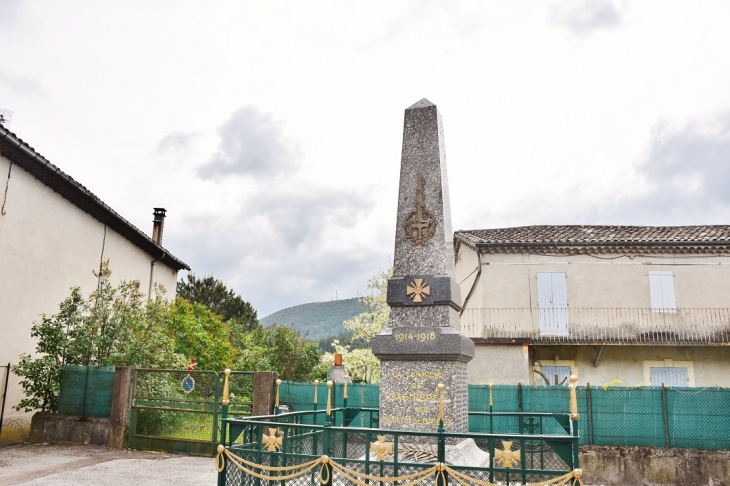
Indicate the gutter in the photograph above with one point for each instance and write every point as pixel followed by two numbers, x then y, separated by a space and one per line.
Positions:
pixel 601 243
pixel 474 284
pixel 78 195
pixel 152 272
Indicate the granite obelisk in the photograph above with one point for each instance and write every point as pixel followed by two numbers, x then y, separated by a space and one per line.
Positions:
pixel 422 345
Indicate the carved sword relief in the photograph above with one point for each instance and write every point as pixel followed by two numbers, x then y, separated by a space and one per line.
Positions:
pixel 420 225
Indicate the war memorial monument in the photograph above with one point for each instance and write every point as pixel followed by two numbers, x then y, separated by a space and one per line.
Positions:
pixel 423 431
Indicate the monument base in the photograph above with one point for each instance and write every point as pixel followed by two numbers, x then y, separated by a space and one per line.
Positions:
pixel 409 398
pixel 465 453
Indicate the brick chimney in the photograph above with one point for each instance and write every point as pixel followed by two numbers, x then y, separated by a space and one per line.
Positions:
pixel 158 225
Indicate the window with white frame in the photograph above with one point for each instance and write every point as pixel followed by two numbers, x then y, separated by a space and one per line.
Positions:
pixel 661 289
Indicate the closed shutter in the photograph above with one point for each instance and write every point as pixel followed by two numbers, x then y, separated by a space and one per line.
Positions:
pixel 552 300
pixel 670 376
pixel 661 289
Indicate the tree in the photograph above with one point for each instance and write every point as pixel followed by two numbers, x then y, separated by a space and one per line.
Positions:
pixel 282 349
pixel 200 334
pixel 119 326
pixel 371 322
pixel 214 294
pixel 361 363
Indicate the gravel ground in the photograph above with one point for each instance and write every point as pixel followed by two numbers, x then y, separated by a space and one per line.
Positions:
pixel 66 465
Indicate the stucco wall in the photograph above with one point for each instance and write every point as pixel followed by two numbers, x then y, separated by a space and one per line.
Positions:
pixel 707 365
pixel 500 364
pixel 509 280
pixel 48 245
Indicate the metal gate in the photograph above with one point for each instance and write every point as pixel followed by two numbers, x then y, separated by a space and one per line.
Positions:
pixel 179 410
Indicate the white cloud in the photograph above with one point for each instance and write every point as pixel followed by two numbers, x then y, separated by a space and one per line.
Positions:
pixel 585 16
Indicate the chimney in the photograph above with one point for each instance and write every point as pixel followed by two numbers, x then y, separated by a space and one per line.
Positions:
pixel 158 225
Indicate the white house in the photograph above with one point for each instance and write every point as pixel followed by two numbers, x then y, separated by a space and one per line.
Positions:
pixel 53 233
pixel 647 305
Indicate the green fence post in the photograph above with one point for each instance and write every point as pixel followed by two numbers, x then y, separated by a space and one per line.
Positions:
pixel 667 443
pixel 590 414
pixel 326 449
pixel 442 479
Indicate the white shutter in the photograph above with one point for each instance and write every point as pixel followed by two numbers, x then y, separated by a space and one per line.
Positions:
pixel 669 376
pixel 552 300
pixel 661 289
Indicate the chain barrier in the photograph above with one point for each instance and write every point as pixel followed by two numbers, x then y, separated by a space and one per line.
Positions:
pixel 438 471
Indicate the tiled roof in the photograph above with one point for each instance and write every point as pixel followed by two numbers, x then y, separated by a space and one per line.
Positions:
pixel 596 236
pixel 22 154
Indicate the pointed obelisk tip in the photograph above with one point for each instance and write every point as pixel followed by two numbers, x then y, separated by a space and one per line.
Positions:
pixel 424 103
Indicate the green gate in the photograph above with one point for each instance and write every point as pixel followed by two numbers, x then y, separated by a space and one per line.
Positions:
pixel 179 410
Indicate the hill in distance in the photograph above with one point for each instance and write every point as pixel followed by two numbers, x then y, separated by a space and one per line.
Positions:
pixel 318 319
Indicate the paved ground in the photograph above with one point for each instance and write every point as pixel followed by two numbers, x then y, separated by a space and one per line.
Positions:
pixel 66 465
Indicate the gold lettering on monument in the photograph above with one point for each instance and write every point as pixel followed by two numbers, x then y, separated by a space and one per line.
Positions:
pixel 419 336
pixel 420 225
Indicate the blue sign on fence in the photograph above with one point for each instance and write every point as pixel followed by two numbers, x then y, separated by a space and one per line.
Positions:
pixel 188 384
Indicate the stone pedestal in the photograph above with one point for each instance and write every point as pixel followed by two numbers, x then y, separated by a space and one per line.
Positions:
pixel 422 345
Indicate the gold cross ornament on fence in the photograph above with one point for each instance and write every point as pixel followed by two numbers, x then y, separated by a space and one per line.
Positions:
pixel 271 441
pixel 418 290
pixel 381 448
pixel 507 457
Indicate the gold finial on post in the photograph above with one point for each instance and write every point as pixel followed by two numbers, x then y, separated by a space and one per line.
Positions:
pixel 573 398
pixel 441 387
pixel 225 400
pixel 491 402
pixel 316 385
pixel 329 397
pixel 344 395
pixel 278 384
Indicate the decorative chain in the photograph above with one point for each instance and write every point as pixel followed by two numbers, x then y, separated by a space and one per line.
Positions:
pixel 439 469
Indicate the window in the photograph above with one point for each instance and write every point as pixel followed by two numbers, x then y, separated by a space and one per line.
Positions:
pixel 669 372
pixel 552 300
pixel 661 288
pixel 673 376
pixel 558 375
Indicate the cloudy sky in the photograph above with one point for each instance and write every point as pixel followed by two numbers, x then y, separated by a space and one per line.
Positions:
pixel 271 131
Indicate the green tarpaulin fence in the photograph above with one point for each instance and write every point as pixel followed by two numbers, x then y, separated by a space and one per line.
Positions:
pixel 86 390
pixel 649 416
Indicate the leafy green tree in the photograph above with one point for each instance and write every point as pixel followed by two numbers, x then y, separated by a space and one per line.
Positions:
pixel 201 334
pixel 358 358
pixel 212 293
pixel 282 349
pixel 369 323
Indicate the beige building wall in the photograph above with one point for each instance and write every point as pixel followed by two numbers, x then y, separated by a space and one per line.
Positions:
pixel 500 364
pixel 48 245
pixel 706 365
pixel 508 280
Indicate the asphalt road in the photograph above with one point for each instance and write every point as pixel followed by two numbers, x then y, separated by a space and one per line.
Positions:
pixel 66 465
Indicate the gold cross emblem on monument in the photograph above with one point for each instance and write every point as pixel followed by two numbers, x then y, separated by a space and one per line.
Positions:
pixel 507 457
pixel 271 441
pixel 418 290
pixel 383 450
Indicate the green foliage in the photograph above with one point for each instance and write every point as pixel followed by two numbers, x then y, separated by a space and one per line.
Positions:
pixel 119 326
pixel 281 349
pixel 369 323
pixel 213 294
pixel 318 319
pixel 200 333
pixel 360 362
pixel 347 338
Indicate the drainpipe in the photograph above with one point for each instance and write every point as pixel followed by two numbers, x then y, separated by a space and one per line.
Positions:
pixel 476 279
pixel 152 273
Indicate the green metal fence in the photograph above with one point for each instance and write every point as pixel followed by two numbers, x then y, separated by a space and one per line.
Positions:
pixel 86 390
pixel 649 416
pixel 179 410
pixel 287 440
